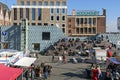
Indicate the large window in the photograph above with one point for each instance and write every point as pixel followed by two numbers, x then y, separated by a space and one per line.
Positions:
pixel 45 3
pixel 28 2
pixel 57 3
pixel 34 3
pixel 15 13
pixel 22 3
pixel 45 35
pixel 40 3
pixel 33 13
pixel 63 3
pixel 21 13
pixel 51 3
pixel 39 14
pixel 27 13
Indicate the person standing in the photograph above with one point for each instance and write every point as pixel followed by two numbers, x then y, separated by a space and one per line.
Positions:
pixel 94 74
pixel 45 71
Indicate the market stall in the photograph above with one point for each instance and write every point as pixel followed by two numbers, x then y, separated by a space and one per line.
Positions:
pixel 9 73
pixel 25 62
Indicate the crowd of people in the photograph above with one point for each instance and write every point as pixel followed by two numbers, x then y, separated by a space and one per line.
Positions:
pixel 40 71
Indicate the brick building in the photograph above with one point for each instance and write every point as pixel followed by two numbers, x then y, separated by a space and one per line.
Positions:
pixel 86 23
pixel 41 13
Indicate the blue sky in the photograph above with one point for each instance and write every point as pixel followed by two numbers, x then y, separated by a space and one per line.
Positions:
pixel 112 8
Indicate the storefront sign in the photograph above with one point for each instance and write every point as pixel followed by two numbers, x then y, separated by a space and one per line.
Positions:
pixel 87 13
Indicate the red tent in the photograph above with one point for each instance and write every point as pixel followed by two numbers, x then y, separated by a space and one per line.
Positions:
pixel 9 73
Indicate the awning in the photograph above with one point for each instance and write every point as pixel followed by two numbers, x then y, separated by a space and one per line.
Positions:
pixel 9 73
pixel 114 60
pixel 25 62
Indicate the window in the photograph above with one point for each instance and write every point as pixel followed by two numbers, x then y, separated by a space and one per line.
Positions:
pixel 28 2
pixel 63 30
pixel 45 3
pixel 22 3
pixel 69 31
pixel 39 24
pixel 52 11
pixel 39 14
pixel 33 13
pixel 33 24
pixel 69 20
pixel 58 11
pixel 15 13
pixel 45 24
pixel 27 13
pixel 57 18
pixel 36 46
pixel 63 11
pixel 45 35
pixel 52 18
pixel 63 25
pixel 52 24
pixel 63 18
pixel 63 3
pixel 21 13
pixel 14 23
pixel 57 3
pixel 90 20
pixel 34 3
pixel 51 3
pixel 40 3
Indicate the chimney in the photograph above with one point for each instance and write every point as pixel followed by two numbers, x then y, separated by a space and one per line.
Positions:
pixel 73 12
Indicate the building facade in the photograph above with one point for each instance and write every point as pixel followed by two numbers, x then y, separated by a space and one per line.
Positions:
pixel 86 23
pixel 5 18
pixel 41 13
pixel 118 23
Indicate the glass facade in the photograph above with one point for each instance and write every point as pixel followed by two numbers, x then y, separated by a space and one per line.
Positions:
pixel 27 13
pixel 33 13
pixel 39 14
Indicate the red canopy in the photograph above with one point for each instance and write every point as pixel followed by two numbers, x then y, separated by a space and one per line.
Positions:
pixel 9 73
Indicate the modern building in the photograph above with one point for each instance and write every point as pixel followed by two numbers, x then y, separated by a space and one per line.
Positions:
pixel 41 13
pixel 4 15
pixel 118 23
pixel 86 23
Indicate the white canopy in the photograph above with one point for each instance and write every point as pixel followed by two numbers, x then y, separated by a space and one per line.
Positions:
pixel 25 62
